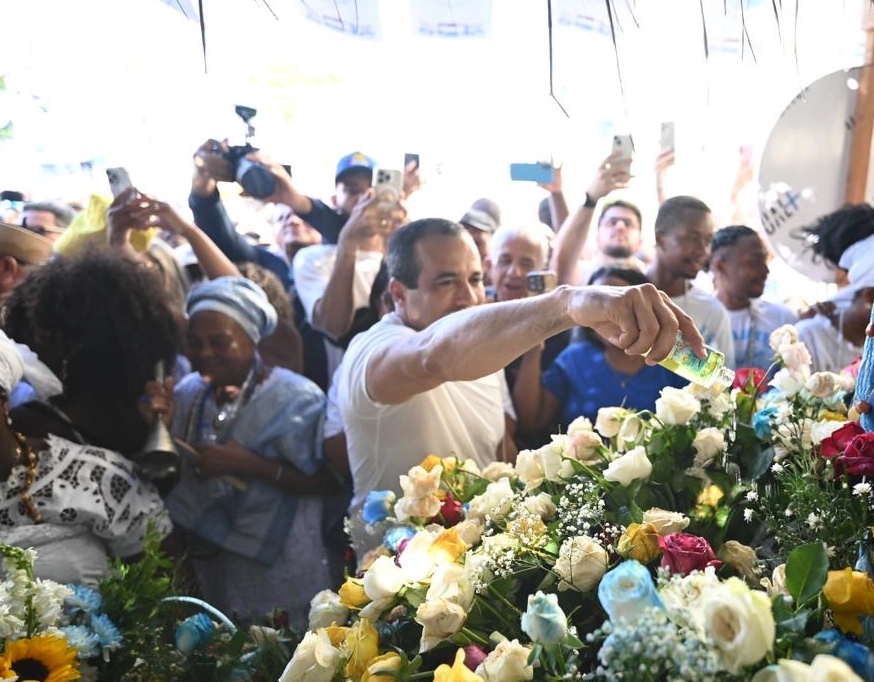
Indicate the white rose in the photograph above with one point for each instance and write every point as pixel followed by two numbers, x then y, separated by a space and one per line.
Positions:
pixel 421 483
pixel 451 583
pixel 496 501
pixel 581 563
pixel 529 469
pixel 579 424
pixel 785 335
pixel 384 579
pixel 417 560
pixel 470 530
pixel 585 446
pixel 721 404
pixel 315 660
pixel 417 507
pixel 470 466
pixel 542 505
pixel 822 384
pixel 440 620
pixel 825 668
pixel 676 406
pixel 497 470
pixel 708 443
pixel 787 382
pixel 508 662
pixel 609 420
pixel 822 430
pixel 795 357
pixel 629 467
pixel 550 456
pixel 665 522
pixel 632 430
pixel 326 609
pixel 785 670
pixel 740 622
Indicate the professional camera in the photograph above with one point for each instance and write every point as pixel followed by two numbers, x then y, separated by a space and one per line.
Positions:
pixel 254 177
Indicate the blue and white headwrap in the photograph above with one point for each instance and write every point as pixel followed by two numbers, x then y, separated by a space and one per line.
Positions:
pixel 240 299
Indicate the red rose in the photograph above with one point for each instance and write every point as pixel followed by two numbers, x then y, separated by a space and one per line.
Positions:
pixel 450 512
pixel 749 379
pixel 683 553
pixel 835 444
pixel 858 457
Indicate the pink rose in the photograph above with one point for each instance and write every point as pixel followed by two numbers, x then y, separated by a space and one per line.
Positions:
pixel 683 553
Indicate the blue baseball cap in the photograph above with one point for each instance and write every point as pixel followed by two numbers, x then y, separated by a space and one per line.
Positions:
pixel 354 161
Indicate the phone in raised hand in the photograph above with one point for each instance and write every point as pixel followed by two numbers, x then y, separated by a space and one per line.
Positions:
pixel 119 180
pixel 623 145
pixel 388 185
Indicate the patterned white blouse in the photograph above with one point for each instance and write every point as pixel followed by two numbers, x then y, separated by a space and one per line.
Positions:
pixel 93 505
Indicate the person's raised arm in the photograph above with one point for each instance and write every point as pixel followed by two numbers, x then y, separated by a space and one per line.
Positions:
pixel 558 209
pixel 368 228
pixel 663 161
pixel 483 339
pixel 134 210
pixel 571 236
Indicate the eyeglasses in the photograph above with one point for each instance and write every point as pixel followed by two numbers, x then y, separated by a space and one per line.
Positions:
pixel 41 230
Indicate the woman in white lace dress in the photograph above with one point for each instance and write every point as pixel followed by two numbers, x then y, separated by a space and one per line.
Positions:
pixel 66 487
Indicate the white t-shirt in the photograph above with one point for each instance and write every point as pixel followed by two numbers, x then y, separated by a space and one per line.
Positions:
pixel 461 418
pixel 711 318
pixel 751 329
pixel 829 350
pixel 312 269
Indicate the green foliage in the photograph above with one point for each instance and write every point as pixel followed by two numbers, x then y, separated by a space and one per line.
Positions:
pixel 806 572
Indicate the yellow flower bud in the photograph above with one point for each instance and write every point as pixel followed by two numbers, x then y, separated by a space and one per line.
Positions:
pixel 430 462
pixel 710 496
pixel 448 545
pixel 382 668
pixel 352 594
pixel 457 673
pixel 336 633
pixel 640 541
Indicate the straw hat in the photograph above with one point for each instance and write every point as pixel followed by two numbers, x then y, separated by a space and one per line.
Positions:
pixel 24 245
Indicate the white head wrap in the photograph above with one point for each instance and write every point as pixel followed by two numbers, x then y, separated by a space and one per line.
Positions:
pixel 240 299
pixel 11 364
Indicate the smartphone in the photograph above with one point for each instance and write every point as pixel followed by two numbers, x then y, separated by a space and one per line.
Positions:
pixel 411 158
pixel 667 139
pixel 624 146
pixel 388 184
pixel 542 173
pixel 119 180
pixel 541 281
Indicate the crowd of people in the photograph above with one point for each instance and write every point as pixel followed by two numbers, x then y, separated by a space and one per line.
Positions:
pixel 297 377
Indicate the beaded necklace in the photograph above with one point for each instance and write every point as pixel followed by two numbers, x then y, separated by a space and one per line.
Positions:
pixel 24 449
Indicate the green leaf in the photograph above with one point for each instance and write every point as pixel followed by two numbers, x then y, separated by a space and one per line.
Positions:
pixel 572 642
pixel 756 462
pixel 806 572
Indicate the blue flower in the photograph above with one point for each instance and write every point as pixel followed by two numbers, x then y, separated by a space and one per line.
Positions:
pixel 626 591
pixel 395 536
pixel 84 599
pixel 762 422
pixel 193 633
pixel 107 633
pixel 80 638
pixel 544 621
pixel 378 505
pixel 855 655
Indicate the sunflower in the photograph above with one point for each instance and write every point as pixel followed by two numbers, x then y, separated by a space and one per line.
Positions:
pixel 45 658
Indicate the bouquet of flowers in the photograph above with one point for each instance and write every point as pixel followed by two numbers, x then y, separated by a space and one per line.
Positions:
pixel 632 548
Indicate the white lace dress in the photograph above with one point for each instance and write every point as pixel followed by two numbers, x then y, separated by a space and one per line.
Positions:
pixel 94 506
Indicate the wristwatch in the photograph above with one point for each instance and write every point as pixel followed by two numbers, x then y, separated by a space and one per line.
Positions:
pixel 589 202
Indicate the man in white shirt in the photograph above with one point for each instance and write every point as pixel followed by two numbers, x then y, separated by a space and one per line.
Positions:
pixel 683 231
pixel 739 264
pixel 428 377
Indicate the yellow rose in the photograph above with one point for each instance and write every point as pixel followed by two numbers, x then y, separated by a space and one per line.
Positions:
pixel 457 673
pixel 336 633
pixel 362 646
pixel 849 594
pixel 710 496
pixel 382 668
pixel 448 546
pixel 352 594
pixel 640 542
pixel 430 462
